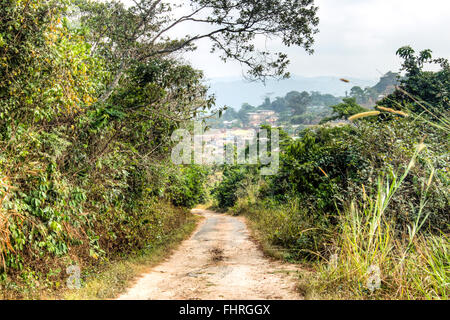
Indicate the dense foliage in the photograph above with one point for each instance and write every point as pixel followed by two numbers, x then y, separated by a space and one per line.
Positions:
pixel 90 94
pixel 369 191
pixel 81 180
pixel 421 91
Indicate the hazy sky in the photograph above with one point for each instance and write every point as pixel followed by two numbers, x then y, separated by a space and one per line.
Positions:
pixel 358 38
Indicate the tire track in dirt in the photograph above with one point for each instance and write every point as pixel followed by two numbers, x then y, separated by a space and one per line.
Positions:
pixel 219 261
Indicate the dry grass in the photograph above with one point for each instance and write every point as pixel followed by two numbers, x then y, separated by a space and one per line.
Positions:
pixel 364 115
pixel 390 110
pixel 117 276
pixel 368 257
pixel 373 261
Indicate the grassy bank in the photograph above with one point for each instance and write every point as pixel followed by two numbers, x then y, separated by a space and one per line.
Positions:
pixel 363 254
pixel 105 278
pixel 113 279
pixel 365 259
pixel 364 207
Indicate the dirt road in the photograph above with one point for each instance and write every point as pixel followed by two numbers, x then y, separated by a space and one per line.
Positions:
pixel 219 261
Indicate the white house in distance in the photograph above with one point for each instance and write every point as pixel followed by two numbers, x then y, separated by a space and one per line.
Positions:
pixel 256 119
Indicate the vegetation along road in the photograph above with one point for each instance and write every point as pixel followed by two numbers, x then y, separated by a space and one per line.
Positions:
pixel 219 261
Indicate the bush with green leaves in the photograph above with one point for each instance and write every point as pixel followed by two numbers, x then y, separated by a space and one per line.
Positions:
pixel 344 110
pixel 422 92
pixel 329 167
pixel 85 179
pixel 188 188
pixel 225 192
pixel 314 167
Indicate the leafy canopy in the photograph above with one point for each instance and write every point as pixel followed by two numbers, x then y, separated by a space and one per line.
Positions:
pixel 126 35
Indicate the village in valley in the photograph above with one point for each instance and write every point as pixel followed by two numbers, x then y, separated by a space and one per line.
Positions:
pixel 296 110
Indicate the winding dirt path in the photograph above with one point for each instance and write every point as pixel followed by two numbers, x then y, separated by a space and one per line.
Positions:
pixel 219 261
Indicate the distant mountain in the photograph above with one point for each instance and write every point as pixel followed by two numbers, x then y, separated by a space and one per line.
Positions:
pixel 233 92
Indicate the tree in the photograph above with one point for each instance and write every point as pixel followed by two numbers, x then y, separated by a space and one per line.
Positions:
pixel 279 105
pixel 323 100
pixel 298 102
pixel 40 61
pixel 230 114
pixel 139 33
pixel 244 111
pixel 358 93
pixel 267 104
pixel 371 94
pixel 421 91
pixel 344 110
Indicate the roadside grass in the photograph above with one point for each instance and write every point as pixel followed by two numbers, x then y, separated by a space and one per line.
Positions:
pixel 372 260
pixel 367 257
pixel 409 268
pixel 257 233
pixel 111 280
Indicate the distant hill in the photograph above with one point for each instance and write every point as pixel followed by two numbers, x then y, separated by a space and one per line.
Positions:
pixel 235 92
pixel 387 83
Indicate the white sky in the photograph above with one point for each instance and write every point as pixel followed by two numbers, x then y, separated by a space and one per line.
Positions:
pixel 357 38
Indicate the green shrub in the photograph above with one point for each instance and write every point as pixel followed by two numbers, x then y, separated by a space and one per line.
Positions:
pixel 187 188
pixel 225 191
pixel 85 178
